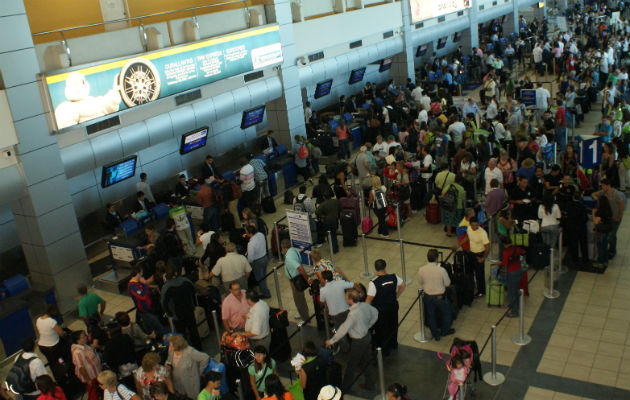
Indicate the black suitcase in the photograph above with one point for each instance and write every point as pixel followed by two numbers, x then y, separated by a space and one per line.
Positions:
pixel 349 229
pixel 226 220
pixel 268 205
pixel 463 280
pixel 236 237
pixel 538 253
pixel 280 346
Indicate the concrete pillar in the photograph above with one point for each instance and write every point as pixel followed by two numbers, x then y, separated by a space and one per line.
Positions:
pixel 540 13
pixel 470 37
pixel 286 114
pixel 45 218
pixel 511 23
pixel 403 63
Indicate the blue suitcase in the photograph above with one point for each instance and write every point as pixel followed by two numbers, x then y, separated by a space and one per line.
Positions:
pixel 160 211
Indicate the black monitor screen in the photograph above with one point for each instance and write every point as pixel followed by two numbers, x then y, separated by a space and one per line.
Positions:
pixel 441 42
pixel 323 88
pixel 194 140
pixel 356 75
pixel 118 171
pixel 457 37
pixel 385 64
pixel 422 50
pixel 252 117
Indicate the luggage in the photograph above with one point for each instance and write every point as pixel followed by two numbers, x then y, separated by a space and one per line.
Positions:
pixel 236 237
pixel 280 346
pixel 416 199
pixel 494 293
pixel 433 213
pixel 18 379
pixel 268 205
pixel 367 224
pixel 202 322
pixel 463 280
pixel 160 211
pixel 538 253
pixel 288 197
pixel 390 219
pixel 524 284
pixel 351 204
pixel 283 233
pixel 349 229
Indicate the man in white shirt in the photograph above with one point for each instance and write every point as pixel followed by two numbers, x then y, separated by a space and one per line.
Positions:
pixel 456 129
pixel 204 235
pixel 308 112
pixel 36 368
pixel 361 317
pixel 433 280
pixel 248 184
pixel 333 295
pixel 391 143
pixel 232 267
pixel 257 258
pixel 380 148
pixel 143 186
pixel 479 247
pixel 492 172
pixel 425 101
pixel 257 321
pixel 542 101
pixel 416 94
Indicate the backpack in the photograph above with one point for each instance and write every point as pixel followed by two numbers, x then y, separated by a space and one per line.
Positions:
pixel 299 205
pixel 18 379
pixel 303 153
pixel 380 201
pixel 436 108
pixel 288 197
pixel 449 200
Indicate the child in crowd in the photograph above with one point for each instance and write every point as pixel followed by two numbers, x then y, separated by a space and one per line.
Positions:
pixel 459 372
pixel 211 390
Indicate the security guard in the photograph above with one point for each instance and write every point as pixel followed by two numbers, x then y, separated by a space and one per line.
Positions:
pixel 383 292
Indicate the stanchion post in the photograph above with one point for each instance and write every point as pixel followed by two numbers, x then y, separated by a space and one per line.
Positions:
pixel 550 292
pixel 215 321
pixel 277 282
pixel 366 274
pixel 240 390
pixel 421 336
pixel 381 375
pixel 299 326
pixel 361 203
pixel 521 338
pixel 277 235
pixel 491 228
pixel 402 261
pixel 330 244
pixel 494 378
pixel 171 324
pixel 398 219
pixel 326 324
pixel 562 269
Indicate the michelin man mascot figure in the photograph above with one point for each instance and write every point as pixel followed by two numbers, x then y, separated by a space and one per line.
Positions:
pixel 80 106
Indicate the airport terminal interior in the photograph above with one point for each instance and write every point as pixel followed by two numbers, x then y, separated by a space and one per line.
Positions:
pixel 96 93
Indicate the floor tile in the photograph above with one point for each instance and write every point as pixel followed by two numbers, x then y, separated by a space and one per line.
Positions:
pixel 602 377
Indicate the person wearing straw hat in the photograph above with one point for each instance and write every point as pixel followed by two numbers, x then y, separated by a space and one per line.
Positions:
pixel 329 392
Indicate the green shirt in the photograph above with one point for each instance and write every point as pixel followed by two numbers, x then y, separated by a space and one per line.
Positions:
pixel 292 260
pixel 205 395
pixel 260 376
pixel 444 179
pixel 178 214
pixel 88 305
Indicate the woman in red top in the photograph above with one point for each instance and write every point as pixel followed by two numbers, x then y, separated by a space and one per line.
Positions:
pixel 344 139
pixel 49 389
pixel 512 261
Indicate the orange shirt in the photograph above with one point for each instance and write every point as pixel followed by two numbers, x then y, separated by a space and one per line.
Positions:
pixel 205 197
pixel 287 396
pixel 342 133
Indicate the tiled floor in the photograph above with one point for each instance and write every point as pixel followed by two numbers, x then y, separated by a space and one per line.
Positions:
pixel 579 339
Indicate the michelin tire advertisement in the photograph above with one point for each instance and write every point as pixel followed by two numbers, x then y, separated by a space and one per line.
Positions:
pixel 83 94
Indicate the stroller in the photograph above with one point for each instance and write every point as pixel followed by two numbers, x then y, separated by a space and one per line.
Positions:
pixel 468 353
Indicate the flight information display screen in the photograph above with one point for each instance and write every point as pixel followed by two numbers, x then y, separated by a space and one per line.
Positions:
pixel 252 117
pixel 194 140
pixel 118 171
pixel 323 88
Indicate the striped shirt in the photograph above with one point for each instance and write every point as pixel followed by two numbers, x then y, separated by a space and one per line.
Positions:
pixel 84 356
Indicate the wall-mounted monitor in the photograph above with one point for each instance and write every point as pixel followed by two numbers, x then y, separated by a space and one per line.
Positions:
pixel 252 116
pixel 356 75
pixel 194 140
pixel 386 64
pixel 118 171
pixel 422 50
pixel 457 37
pixel 323 88
pixel 426 9
pixel 441 43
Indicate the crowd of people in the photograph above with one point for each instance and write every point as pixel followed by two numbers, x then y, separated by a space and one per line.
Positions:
pixel 482 164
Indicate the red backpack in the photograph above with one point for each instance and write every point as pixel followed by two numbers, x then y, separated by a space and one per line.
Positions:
pixel 303 153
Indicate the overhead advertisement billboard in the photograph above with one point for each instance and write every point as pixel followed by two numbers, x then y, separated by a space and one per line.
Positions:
pixel 84 93
pixel 427 9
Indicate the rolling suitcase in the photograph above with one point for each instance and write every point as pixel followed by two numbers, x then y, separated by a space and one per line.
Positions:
pixel 494 293
pixel 433 213
pixel 349 229
pixel 538 253
pixel 268 205
pixel 334 375
pixel 351 204
pixel 280 346
pixel 463 280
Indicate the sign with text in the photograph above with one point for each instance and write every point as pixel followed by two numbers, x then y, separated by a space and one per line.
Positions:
pixel 299 229
pixel 82 94
pixel 590 151
pixel 426 9
pixel 528 97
